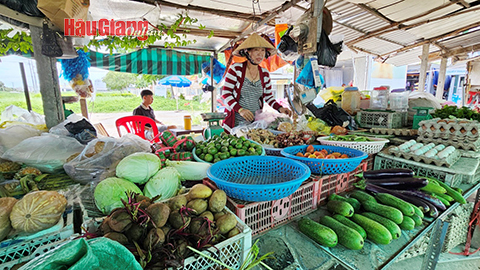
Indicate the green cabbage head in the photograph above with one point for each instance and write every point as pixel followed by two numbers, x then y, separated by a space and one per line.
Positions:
pixel 165 182
pixel 138 167
pixel 109 192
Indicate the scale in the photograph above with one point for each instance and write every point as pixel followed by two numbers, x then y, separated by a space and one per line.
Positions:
pixel 214 127
pixel 423 113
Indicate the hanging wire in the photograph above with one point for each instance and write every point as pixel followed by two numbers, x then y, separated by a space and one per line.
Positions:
pixel 257 2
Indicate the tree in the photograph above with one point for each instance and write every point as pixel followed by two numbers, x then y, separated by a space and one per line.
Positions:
pixel 145 80
pixel 119 80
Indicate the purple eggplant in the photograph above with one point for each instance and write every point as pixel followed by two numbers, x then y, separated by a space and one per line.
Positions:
pixel 433 210
pixel 417 193
pixel 388 173
pixel 411 199
pixel 402 183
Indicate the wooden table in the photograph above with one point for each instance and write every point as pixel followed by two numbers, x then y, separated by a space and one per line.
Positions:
pixel 181 131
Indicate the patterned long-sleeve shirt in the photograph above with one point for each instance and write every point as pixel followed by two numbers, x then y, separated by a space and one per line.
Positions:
pixel 232 90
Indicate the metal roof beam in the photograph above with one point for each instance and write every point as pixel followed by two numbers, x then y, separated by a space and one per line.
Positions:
pixel 285 6
pixel 430 40
pixel 401 24
pixel 206 32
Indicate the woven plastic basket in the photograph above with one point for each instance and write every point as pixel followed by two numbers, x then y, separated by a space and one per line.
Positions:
pixel 201 160
pixel 328 166
pixel 258 178
pixel 372 147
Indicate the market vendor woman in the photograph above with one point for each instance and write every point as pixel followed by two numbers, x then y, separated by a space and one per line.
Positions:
pixel 247 85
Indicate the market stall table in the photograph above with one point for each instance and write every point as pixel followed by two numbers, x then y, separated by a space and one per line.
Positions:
pixel 181 131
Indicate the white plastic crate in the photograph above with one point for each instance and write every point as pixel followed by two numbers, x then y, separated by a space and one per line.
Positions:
pixel 231 251
pixel 13 252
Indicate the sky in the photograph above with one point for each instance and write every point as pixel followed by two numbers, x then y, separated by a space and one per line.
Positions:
pixel 10 72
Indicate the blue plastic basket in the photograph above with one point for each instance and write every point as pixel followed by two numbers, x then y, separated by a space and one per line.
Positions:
pixel 327 166
pixel 258 178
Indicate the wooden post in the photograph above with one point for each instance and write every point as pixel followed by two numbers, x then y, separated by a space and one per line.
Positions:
pixel 423 68
pixel 83 107
pixel 441 78
pixel 48 77
pixel 214 91
pixel 25 87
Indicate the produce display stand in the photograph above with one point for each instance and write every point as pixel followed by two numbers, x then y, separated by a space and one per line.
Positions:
pixel 372 256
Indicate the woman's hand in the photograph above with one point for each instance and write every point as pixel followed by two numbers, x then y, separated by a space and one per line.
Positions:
pixel 248 115
pixel 285 111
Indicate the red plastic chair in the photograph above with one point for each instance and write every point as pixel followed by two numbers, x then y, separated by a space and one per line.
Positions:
pixel 136 124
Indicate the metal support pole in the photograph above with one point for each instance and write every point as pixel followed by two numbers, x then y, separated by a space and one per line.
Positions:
pixel 214 91
pixel 25 87
pixel 423 68
pixel 441 78
pixel 48 77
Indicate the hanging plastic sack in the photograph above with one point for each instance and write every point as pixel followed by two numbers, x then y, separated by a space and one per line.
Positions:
pixel 288 47
pixel 306 76
pixel 79 254
pixel 327 52
pixel 100 157
pixel 17 114
pixel 47 153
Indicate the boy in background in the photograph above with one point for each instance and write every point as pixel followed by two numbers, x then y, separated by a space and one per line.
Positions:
pixel 146 110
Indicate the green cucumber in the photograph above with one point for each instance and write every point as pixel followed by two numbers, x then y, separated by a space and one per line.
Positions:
pixel 459 190
pixel 354 202
pixel 389 212
pixel 318 232
pixel 418 212
pixel 391 226
pixel 407 224
pixel 347 236
pixel 346 221
pixel 417 219
pixel 362 196
pixel 443 200
pixel 375 231
pixel 432 187
pixel 457 196
pixel 340 207
pixel 446 197
pixel 398 203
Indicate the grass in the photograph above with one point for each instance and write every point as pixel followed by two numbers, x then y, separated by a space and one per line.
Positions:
pixel 105 102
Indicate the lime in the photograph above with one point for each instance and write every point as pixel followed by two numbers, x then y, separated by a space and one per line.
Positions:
pixel 224 149
pixel 217 155
pixel 202 156
pixel 223 156
pixel 216 160
pixel 225 143
pixel 247 143
pixel 233 152
pixel 198 151
pixel 208 158
pixel 218 146
pixel 243 138
pixel 228 154
pixel 239 145
pixel 212 150
pixel 205 150
pixel 241 152
pixel 259 152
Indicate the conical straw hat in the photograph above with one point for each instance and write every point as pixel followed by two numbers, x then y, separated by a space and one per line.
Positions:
pixel 255 41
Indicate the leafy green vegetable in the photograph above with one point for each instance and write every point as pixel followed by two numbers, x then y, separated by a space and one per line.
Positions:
pixel 165 183
pixel 138 167
pixel 350 138
pixel 455 112
pixel 190 170
pixel 109 192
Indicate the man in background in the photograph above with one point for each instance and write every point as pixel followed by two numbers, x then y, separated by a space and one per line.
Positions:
pixel 146 110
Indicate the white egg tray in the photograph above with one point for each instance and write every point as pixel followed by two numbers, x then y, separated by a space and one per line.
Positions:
pixel 450 129
pixel 466 145
pixel 397 132
pixel 446 162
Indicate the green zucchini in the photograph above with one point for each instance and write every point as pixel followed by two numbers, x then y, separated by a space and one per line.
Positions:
pixel 407 224
pixel 319 233
pixel 389 212
pixel 446 197
pixel 443 200
pixel 375 231
pixel 398 203
pixel 417 219
pixel 391 226
pixel 418 212
pixel 362 196
pixel 453 193
pixel 346 221
pixel 354 202
pixel 340 207
pixel 347 236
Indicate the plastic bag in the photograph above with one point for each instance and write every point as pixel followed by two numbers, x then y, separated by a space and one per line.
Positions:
pixel 100 157
pixel 48 152
pixel 14 113
pixel 243 129
pixel 13 135
pixel 318 125
pixel 327 52
pixel 79 254
pixel 270 116
pixel 60 128
pixel 333 115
